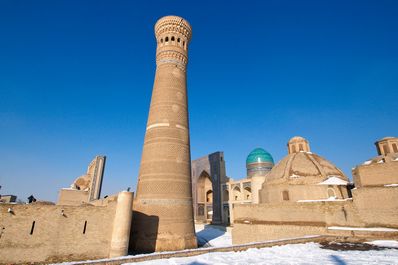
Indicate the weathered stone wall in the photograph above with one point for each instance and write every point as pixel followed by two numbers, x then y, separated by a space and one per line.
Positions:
pixel 72 197
pixel 377 206
pixel 40 232
pixel 370 207
pixel 376 174
pixel 243 233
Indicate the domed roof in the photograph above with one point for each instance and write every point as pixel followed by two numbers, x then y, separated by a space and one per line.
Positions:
pixel 303 168
pixel 388 138
pixel 297 139
pixel 259 155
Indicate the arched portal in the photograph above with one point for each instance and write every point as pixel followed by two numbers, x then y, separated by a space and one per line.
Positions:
pixel 204 196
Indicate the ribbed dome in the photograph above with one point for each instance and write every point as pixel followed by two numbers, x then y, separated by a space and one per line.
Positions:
pixel 303 168
pixel 259 155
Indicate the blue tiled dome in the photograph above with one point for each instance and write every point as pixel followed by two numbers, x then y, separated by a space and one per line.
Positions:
pixel 259 155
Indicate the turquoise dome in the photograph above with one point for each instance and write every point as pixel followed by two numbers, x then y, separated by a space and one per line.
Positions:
pixel 259 155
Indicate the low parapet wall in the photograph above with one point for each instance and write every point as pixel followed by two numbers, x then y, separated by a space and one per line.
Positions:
pixel 370 207
pixel 41 232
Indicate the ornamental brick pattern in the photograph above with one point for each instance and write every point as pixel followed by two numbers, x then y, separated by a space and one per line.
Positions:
pixel 163 214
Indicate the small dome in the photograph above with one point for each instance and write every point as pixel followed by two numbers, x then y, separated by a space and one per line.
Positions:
pixel 297 139
pixel 387 138
pixel 259 155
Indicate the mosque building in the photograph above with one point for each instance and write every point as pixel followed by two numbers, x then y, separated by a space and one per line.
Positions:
pixel 303 175
pixel 215 194
pixel 245 191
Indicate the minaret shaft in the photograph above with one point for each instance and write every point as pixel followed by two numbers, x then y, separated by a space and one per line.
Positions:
pixel 163 217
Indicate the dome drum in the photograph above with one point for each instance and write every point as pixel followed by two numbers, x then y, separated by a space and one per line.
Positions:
pixel 259 162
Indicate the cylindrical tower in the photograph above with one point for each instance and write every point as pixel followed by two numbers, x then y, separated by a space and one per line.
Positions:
pixel 121 225
pixel 163 213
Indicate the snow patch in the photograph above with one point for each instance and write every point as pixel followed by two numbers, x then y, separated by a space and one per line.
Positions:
pixel 326 200
pixel 372 229
pixel 391 185
pixel 334 180
pixel 367 162
pixel 384 243
pixel 213 236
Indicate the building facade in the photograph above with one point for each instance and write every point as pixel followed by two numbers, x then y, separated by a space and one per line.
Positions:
pixel 208 180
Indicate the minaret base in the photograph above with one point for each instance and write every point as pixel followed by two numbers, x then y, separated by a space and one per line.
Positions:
pixel 164 244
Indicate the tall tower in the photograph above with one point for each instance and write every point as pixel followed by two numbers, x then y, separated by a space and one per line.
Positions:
pixel 163 213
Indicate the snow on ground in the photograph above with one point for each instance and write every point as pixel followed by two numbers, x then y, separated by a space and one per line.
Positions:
pixel 384 243
pixel 213 236
pixel 309 253
pixel 371 229
pixel 327 200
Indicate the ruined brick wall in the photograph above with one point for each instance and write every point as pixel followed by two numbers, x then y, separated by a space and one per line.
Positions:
pixel 39 232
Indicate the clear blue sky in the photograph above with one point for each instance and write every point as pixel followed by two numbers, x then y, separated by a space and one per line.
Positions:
pixel 76 80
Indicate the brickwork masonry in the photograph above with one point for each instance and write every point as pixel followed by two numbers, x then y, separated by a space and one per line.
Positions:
pixel 41 232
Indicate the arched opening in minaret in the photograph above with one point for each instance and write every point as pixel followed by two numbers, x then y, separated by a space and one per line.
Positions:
pixel 178 40
pixel 166 39
pixel 172 38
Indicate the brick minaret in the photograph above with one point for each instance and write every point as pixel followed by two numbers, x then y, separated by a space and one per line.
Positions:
pixel 163 214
